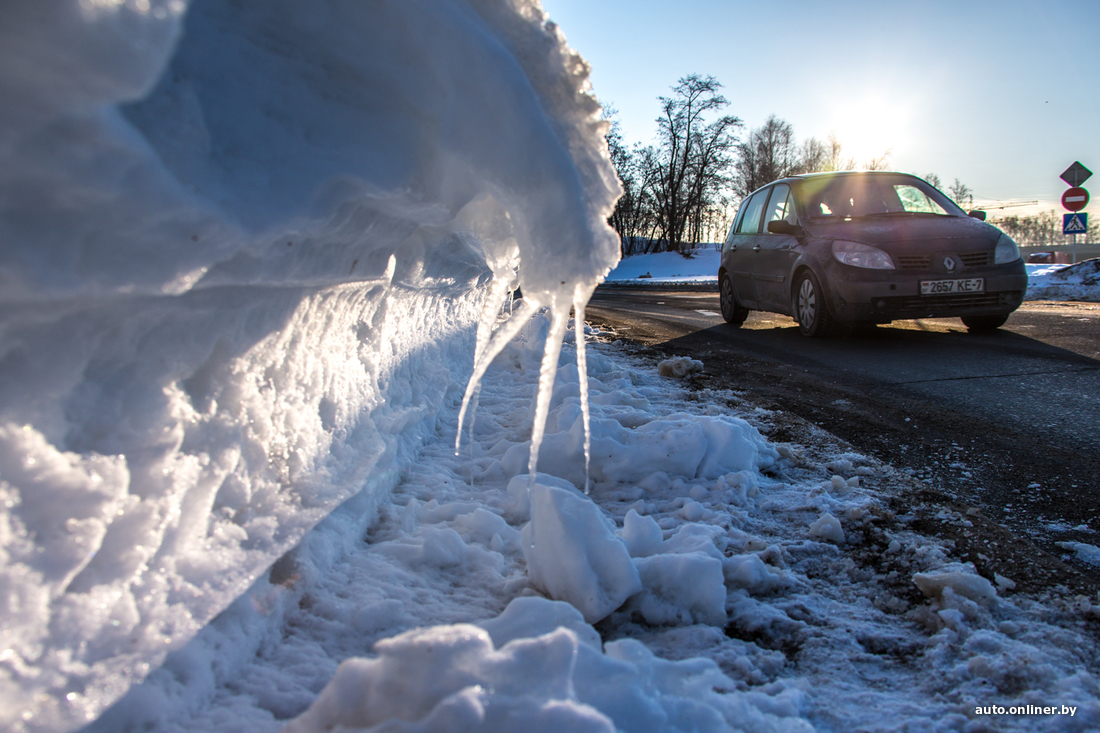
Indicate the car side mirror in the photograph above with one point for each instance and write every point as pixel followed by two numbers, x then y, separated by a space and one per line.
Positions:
pixel 782 226
pixel 977 214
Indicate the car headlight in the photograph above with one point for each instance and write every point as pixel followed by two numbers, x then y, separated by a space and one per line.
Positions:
pixel 1006 251
pixel 861 255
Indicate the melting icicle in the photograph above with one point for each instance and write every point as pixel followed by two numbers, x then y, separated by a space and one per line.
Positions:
pixel 582 375
pixel 493 346
pixel 559 321
pixel 499 293
pixel 490 343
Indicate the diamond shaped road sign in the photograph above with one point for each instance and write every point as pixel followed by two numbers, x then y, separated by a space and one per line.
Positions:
pixel 1076 174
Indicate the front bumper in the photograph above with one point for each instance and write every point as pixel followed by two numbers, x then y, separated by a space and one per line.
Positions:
pixel 883 296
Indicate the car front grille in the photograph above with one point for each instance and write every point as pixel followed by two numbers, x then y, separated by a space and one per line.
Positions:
pixel 928 303
pixel 924 262
pixel 975 259
pixel 913 262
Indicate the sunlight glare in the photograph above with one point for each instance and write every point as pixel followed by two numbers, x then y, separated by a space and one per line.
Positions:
pixel 870 125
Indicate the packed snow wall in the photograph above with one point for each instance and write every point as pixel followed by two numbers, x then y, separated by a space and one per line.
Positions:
pixel 244 251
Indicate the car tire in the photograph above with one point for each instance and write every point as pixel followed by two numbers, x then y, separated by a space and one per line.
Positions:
pixel 734 313
pixel 983 323
pixel 809 307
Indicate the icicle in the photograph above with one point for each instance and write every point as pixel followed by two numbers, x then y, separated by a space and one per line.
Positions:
pixel 493 346
pixel 559 321
pixel 500 292
pixel 582 375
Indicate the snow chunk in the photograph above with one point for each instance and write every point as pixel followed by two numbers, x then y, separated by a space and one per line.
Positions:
pixel 451 678
pixel 642 535
pixel 1085 552
pixel 751 573
pixel 706 447
pixel 960 583
pixel 681 589
pixel 455 678
pixel 679 367
pixel 827 527
pixel 574 555
pixel 530 616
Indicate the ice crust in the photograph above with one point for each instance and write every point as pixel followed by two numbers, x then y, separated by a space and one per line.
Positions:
pixel 246 249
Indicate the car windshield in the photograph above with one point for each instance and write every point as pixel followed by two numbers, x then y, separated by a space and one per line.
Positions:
pixel 863 196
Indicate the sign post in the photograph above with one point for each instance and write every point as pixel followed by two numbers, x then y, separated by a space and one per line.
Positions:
pixel 1075 199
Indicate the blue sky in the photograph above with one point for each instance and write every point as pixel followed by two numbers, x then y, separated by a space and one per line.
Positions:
pixel 1002 95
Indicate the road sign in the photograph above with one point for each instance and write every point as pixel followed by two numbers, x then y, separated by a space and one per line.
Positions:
pixel 1076 174
pixel 1075 199
pixel 1075 223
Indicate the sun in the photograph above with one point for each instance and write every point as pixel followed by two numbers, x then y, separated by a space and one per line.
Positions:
pixel 869 128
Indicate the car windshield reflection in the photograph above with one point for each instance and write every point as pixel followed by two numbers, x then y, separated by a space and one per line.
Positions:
pixel 858 197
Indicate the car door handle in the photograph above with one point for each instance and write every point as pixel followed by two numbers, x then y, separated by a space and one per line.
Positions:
pixel 756 248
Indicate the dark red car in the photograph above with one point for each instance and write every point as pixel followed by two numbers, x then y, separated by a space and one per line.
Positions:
pixel 870 247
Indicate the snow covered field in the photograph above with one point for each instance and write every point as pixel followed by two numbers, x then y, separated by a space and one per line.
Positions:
pixel 250 255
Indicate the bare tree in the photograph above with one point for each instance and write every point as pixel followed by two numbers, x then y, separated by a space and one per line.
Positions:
pixel 934 180
pixel 879 163
pixel 693 159
pixel 769 153
pixel 835 162
pixel 962 194
pixel 813 157
pixel 629 218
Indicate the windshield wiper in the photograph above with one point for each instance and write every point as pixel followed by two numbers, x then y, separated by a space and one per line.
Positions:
pixel 879 214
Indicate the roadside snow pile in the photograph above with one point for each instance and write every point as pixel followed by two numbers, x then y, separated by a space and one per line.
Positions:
pixel 246 250
pixel 480 601
pixel 1065 282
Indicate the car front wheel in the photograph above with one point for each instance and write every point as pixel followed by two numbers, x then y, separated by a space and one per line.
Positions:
pixel 810 309
pixel 734 313
pixel 983 323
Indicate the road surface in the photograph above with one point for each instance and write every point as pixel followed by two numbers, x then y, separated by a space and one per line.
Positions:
pixel 1007 423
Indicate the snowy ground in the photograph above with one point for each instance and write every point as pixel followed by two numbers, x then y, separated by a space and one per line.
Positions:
pixel 1045 282
pixel 769 588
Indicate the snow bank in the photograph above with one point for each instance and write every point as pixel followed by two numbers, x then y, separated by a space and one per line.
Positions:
pixel 246 249
pixel 1065 282
pixel 702 266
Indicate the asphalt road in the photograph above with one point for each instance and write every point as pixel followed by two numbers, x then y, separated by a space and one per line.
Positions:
pixel 1007 422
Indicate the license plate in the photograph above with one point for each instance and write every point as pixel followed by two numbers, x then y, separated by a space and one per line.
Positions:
pixel 950 287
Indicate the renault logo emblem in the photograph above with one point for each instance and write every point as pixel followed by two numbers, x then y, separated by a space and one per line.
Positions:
pixel 949 263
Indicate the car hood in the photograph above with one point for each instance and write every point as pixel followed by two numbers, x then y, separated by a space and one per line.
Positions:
pixel 960 233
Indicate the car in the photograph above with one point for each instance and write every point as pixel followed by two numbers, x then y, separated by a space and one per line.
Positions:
pixel 851 247
pixel 1048 258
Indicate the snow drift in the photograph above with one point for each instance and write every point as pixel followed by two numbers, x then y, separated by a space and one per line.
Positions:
pixel 244 252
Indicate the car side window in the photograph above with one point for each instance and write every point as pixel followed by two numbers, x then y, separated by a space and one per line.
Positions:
pixel 781 206
pixel 750 222
pixel 912 199
pixel 736 222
